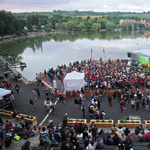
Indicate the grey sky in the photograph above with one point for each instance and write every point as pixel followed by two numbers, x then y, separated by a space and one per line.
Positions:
pixel 71 5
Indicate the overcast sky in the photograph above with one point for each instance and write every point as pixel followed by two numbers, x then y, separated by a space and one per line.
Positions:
pixel 71 5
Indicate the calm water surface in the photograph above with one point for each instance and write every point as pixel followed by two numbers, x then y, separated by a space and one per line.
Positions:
pixel 56 49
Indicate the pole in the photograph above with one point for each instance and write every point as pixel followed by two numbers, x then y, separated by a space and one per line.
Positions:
pixel 91 54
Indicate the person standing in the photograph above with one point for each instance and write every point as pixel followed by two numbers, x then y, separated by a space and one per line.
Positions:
pixel 45 73
pixel 137 104
pixel 98 105
pixel 101 95
pixel 31 103
pixel 133 103
pixel 94 133
pixel 83 110
pixel 65 122
pixel 47 106
pixel 53 106
pixel 64 97
pixel 80 102
pixel 109 100
pixel 17 88
pixel 38 92
pixel 34 94
pixel 44 136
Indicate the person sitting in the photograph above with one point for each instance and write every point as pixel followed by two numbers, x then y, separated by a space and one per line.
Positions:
pixel 141 136
pixel 119 130
pixel 115 139
pixel 86 141
pixel 141 128
pixel 7 125
pixel 129 139
pixel 108 140
pixel 56 136
pixel 85 134
pixel 63 136
pixel 27 146
pixel 99 143
pixel 91 145
pixel 137 131
pixel 121 145
pixel 17 128
pixel 78 147
pixel 73 138
pixel 113 129
pixel 64 146
pixel 123 137
pixel 80 129
pixel 128 146
pixel 15 113
pixel 147 136
pixel 127 131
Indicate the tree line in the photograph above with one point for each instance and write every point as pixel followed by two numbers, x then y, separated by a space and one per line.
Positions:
pixel 15 23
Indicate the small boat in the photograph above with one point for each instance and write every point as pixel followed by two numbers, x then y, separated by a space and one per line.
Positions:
pixel 22 64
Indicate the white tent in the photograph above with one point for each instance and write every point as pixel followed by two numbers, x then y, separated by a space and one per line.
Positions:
pixel 4 92
pixel 74 81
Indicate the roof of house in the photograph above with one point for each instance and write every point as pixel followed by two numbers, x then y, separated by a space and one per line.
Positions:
pixel 127 19
pixel 147 20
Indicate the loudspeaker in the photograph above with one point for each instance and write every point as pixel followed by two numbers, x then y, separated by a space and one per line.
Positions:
pixel 129 54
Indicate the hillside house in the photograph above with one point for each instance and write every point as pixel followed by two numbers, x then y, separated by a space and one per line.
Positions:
pixel 127 21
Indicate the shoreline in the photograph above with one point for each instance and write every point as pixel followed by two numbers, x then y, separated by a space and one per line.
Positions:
pixel 10 38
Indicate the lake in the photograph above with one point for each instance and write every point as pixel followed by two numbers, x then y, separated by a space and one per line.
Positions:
pixel 56 49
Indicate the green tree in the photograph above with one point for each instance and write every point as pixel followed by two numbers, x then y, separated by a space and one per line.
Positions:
pixel 110 25
pixel 29 23
pixel 82 26
pixel 129 26
pixel 63 26
pixel 141 25
pixel 136 25
pixel 96 26
pixel 88 17
pixel 71 24
pixel 2 26
pixel 47 28
pixel 58 26
pixel 102 22
pixel 124 26
pixel 91 21
pixel 118 26
pixel 53 24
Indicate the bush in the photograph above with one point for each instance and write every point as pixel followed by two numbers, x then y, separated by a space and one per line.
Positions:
pixel 24 32
pixel 18 33
pixel 31 117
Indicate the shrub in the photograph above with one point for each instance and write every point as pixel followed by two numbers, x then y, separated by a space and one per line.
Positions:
pixel 24 32
pixel 102 120
pixel 31 117
pixel 18 33
pixel 110 120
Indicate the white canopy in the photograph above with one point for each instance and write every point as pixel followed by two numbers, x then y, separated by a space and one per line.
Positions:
pixel 145 52
pixel 74 81
pixel 4 92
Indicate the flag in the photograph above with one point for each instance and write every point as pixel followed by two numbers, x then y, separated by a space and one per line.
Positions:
pixel 91 53
pixel 103 51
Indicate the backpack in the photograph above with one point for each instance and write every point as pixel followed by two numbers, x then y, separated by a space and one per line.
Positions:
pixel 32 102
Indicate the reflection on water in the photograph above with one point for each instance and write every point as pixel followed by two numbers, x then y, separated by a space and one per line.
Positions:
pixel 56 49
